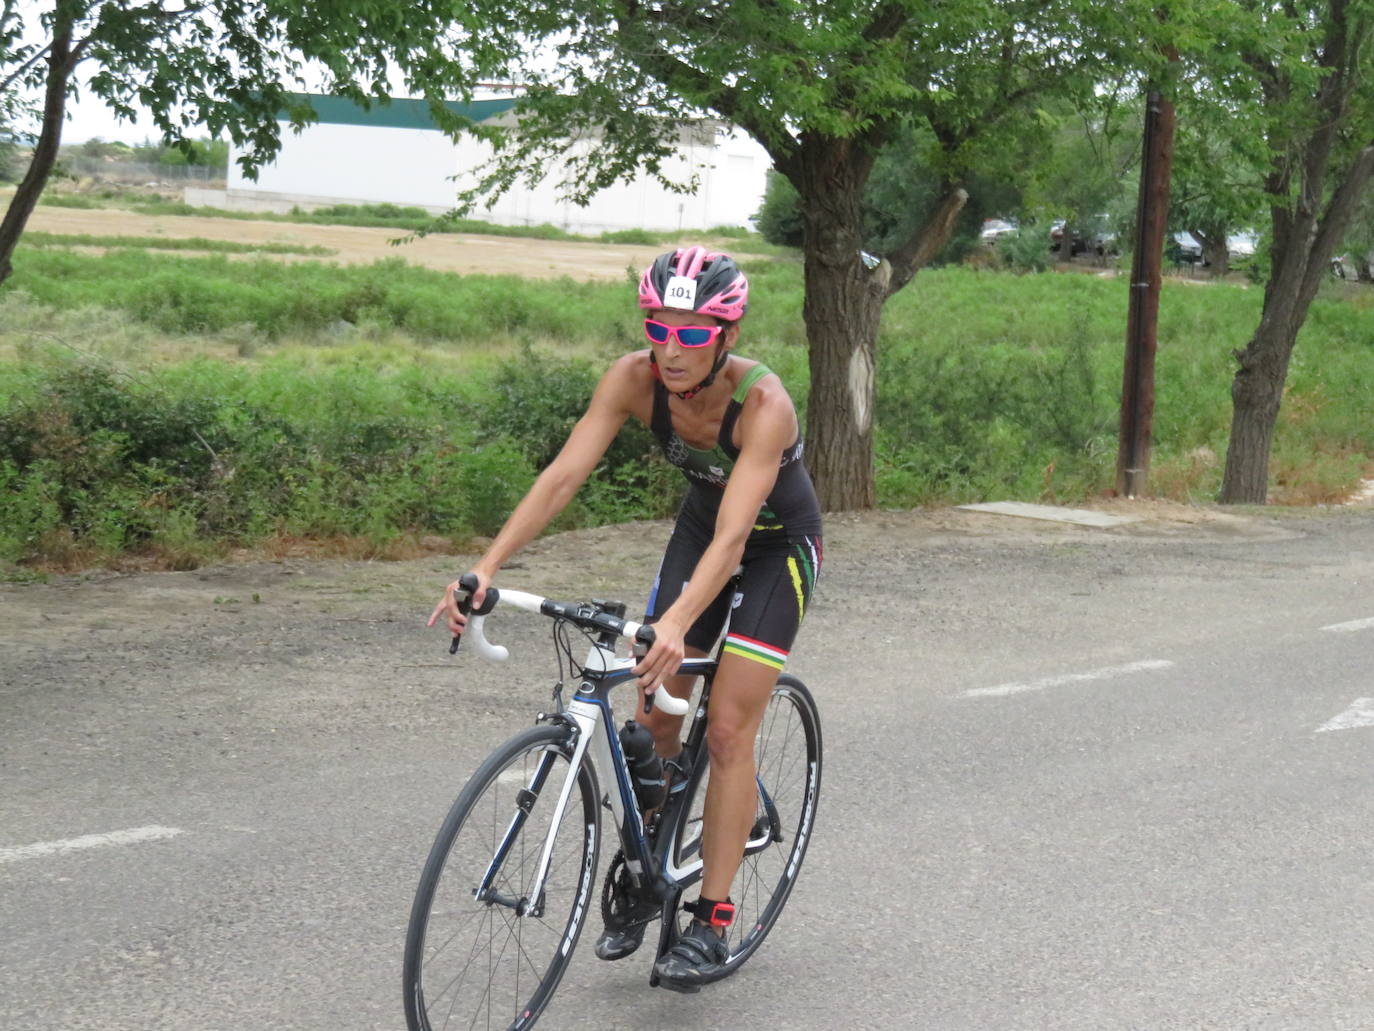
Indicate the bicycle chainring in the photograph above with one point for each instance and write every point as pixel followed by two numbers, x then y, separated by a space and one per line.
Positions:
pixel 622 904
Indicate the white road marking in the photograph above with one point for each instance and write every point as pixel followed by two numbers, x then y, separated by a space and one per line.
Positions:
pixel 1360 714
pixel 1111 672
pixel 50 848
pixel 1354 624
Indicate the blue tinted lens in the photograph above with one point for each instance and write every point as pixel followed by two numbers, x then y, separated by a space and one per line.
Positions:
pixel 694 336
pixel 655 331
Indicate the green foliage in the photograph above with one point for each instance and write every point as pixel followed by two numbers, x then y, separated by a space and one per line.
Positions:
pixel 1026 250
pixel 491 482
pixel 70 200
pixel 900 196
pixel 994 387
pixel 197 295
pixel 990 386
pixel 12 163
pixel 779 219
pixel 639 236
pixel 183 461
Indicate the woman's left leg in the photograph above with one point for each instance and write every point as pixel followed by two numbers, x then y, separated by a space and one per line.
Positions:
pixel 739 697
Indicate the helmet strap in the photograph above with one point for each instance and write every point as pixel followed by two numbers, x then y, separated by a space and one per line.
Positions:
pixel 686 395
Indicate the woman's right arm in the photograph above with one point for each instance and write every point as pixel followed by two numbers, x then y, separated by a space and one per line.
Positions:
pixel 555 486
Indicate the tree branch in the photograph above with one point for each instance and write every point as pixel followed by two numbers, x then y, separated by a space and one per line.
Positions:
pixel 1335 218
pixel 887 19
pixel 775 139
pixel 38 56
pixel 924 244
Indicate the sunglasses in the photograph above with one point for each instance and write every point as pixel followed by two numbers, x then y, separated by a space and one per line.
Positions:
pixel 687 336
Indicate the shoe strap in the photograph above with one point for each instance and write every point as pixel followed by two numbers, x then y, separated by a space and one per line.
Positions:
pixel 712 912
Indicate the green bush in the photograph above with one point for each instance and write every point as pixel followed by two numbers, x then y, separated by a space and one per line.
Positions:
pixel 779 219
pixel 491 483
pixel 69 200
pixel 188 459
pixel 632 236
pixel 1026 250
pixel 988 386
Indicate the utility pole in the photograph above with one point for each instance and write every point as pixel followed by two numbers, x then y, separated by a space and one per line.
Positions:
pixel 1142 322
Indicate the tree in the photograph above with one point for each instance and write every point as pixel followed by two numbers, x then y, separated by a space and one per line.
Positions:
pixel 1305 89
pixel 899 197
pixel 223 64
pixel 1358 245
pixel 1084 175
pixel 823 88
pixel 11 166
pixel 1218 182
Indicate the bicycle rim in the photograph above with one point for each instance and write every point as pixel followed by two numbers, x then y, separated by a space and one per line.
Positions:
pixel 787 752
pixel 483 964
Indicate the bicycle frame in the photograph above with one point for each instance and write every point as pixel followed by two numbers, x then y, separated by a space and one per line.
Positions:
pixel 598 740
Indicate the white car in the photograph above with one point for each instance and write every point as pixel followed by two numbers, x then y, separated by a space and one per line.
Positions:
pixel 996 228
pixel 1242 244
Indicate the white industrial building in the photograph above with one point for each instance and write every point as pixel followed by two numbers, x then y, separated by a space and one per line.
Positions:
pixel 395 153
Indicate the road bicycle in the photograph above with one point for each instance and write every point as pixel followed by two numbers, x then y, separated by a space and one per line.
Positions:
pixel 511 878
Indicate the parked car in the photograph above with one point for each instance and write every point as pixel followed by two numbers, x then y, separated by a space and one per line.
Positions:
pixel 1242 244
pixel 1077 246
pixel 1093 234
pixel 996 228
pixel 1184 248
pixel 1349 266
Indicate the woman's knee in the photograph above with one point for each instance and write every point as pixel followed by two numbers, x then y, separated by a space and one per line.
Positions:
pixel 729 742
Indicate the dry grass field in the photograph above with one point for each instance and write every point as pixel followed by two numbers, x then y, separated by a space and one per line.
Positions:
pixel 450 252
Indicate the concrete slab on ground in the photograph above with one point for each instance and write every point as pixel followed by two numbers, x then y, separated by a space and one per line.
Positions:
pixel 1053 513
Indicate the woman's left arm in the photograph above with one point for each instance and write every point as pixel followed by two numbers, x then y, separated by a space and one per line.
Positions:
pixel 770 428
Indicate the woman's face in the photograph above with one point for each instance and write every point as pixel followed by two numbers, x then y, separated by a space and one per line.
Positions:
pixel 682 368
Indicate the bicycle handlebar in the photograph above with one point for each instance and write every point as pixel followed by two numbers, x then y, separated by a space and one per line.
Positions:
pixel 585 616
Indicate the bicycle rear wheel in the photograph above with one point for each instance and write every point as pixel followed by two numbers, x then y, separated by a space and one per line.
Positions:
pixel 787 752
pixel 495 962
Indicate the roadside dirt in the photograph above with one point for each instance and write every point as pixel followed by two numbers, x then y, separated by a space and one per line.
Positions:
pixel 615 559
pixel 353 245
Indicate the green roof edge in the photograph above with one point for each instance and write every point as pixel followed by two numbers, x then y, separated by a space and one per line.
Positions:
pixel 396 114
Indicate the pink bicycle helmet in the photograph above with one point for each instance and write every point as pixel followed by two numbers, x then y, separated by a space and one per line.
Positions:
pixel 695 279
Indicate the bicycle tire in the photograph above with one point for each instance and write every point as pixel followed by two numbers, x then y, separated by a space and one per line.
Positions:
pixel 452 934
pixel 788 755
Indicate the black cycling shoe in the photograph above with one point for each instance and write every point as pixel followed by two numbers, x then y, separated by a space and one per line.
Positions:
pixel 698 957
pixel 617 943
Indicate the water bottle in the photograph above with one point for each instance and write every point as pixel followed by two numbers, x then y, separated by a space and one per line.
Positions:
pixel 646 768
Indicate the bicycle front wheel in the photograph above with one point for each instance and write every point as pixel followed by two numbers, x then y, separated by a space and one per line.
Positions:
pixel 787 753
pixel 480 951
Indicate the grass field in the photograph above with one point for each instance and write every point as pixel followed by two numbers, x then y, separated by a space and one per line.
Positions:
pixel 170 408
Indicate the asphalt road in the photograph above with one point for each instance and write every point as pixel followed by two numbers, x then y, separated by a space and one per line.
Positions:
pixel 1074 779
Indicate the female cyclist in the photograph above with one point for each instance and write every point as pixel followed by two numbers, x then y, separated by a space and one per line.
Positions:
pixel 729 424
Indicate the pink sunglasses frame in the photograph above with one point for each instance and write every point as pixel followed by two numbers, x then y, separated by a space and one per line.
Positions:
pixel 676 331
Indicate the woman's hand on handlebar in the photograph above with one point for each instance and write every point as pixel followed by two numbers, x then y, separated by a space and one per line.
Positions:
pixel 664 657
pixel 448 604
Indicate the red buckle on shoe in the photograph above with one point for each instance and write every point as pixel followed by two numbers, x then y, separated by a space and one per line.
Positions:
pixel 722 914
pixel 716 914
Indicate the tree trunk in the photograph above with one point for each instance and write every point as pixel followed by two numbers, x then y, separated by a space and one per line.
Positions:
pixel 1216 255
pixel 844 301
pixel 61 61
pixel 842 307
pixel 1301 257
pixel 1256 393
